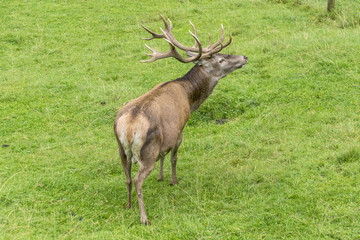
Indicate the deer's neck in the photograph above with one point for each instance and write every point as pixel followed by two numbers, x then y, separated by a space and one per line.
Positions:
pixel 198 85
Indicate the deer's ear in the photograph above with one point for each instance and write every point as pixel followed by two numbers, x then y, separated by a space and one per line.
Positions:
pixel 193 54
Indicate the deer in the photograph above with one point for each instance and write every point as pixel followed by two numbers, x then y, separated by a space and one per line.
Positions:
pixel 150 126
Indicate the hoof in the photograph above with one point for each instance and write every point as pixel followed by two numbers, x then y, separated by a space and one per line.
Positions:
pixel 160 179
pixel 173 183
pixel 145 222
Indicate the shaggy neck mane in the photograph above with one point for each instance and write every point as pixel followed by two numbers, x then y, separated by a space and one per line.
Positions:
pixel 196 84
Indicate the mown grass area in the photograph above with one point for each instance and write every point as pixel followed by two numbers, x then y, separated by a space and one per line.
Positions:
pixel 285 165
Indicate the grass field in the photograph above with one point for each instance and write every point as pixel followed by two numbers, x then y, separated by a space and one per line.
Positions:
pixel 285 165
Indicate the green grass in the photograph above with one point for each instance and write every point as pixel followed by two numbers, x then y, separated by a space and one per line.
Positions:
pixel 285 165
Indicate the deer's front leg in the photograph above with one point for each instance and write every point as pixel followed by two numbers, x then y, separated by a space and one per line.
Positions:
pixel 174 159
pixel 161 172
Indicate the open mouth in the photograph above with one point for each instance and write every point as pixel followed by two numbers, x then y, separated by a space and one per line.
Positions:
pixel 241 65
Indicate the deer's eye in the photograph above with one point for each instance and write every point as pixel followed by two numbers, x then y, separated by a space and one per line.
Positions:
pixel 221 60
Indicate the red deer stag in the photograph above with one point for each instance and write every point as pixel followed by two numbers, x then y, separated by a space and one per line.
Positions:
pixel 150 126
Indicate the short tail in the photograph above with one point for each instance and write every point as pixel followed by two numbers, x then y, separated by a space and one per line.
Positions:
pixel 131 148
pixel 131 136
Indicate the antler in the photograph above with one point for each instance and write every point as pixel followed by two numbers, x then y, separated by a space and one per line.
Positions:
pixel 174 43
pixel 173 53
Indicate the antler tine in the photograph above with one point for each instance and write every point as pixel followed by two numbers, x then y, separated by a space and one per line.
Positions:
pixel 158 55
pixel 171 25
pixel 197 43
pixel 220 41
pixel 149 49
pixel 173 52
pixel 166 24
pixel 228 42
pixel 190 59
pixel 195 33
pixel 209 42
pixel 150 54
pixel 154 34
pixel 170 36
pixel 216 50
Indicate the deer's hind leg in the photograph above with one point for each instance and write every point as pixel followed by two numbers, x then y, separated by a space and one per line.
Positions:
pixel 126 164
pixel 144 171
pixel 148 155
